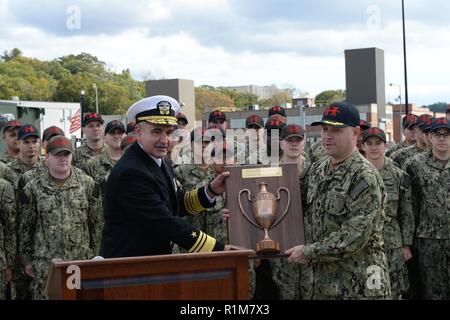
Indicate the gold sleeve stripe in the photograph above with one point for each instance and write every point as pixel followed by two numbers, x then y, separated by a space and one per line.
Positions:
pixel 196 201
pixel 208 245
pixel 192 202
pixel 187 203
pixel 201 238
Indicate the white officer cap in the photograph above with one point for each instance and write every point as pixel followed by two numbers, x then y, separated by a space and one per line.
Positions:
pixel 156 109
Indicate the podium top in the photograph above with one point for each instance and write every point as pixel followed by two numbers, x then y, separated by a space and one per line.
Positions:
pixel 167 257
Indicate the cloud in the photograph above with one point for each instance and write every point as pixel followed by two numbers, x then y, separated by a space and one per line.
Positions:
pixel 260 26
pixel 222 42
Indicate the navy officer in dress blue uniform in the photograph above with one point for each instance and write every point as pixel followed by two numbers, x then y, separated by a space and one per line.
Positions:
pixel 143 206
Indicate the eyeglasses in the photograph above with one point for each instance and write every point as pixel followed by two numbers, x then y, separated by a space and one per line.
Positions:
pixel 437 135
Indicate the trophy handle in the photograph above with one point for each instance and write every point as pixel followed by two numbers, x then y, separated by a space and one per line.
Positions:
pixel 242 210
pixel 287 206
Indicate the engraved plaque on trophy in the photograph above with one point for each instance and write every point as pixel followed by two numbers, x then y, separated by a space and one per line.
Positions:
pixel 265 208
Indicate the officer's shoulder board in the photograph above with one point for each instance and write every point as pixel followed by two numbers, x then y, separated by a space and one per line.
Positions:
pixel 359 189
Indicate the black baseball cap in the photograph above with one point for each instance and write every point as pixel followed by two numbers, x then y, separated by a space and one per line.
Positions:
pixel 292 130
pixel 427 127
pixel 57 144
pixel 409 121
pixel 254 120
pixel 275 121
pixel 277 110
pixel 28 130
pixel 13 124
pixel 217 115
pixel 374 132
pixel 131 126
pixel 91 117
pixel 422 120
pixel 181 117
pixel 52 131
pixel 114 124
pixel 364 125
pixel 439 123
pixel 339 115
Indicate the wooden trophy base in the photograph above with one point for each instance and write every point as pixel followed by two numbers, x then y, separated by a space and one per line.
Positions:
pixel 267 247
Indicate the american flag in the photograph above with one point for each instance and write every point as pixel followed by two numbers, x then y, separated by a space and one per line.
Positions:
pixel 75 122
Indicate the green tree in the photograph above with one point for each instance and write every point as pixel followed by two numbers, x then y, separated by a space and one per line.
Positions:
pixel 278 98
pixel 13 54
pixel 83 63
pixel 208 100
pixel 330 96
pixel 438 107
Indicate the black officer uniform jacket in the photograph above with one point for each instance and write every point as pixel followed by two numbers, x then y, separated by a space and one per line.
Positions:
pixel 143 210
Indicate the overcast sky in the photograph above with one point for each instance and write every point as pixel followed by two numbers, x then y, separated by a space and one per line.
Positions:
pixel 237 42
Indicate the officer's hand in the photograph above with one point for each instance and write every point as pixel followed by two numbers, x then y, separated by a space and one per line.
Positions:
pixel 218 184
pixel 8 275
pixel 407 255
pixel 296 254
pixel 226 214
pixel 29 270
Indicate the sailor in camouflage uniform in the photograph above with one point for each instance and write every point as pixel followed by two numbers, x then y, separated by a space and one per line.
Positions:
pixel 99 167
pixel 344 217
pixel 92 128
pixel 11 141
pixel 59 215
pixel 398 228
pixel 430 182
pixel 409 134
pixel 285 275
pixel 29 144
pixel 27 161
pixel 401 156
pixel 7 237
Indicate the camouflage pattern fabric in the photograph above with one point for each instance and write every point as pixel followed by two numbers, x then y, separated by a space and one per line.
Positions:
pixel 401 156
pixel 83 154
pixel 57 223
pixel 7 174
pixel 434 268
pixel 398 274
pixel 21 283
pixel 6 158
pixel 7 237
pixel 344 221
pixel 430 185
pixel 317 152
pixel 398 228
pixel 395 148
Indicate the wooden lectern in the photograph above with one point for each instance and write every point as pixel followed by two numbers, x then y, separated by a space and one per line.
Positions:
pixel 201 276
